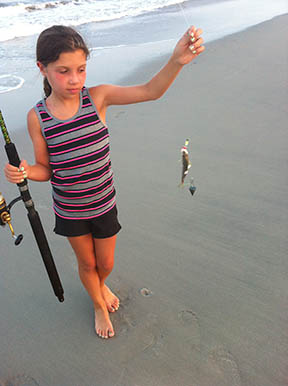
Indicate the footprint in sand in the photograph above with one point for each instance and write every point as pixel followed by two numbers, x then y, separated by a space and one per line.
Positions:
pixel 189 321
pixel 128 318
pixel 151 331
pixel 222 365
pixel 125 320
pixel 153 338
pixel 151 342
pixel 134 319
pixel 21 380
pixel 188 317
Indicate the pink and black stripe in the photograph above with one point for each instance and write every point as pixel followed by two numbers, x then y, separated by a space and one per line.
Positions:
pixel 79 153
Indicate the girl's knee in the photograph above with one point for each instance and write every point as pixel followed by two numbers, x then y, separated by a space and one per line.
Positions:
pixel 87 265
pixel 105 264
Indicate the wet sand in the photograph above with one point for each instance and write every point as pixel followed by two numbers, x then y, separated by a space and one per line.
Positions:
pixel 202 280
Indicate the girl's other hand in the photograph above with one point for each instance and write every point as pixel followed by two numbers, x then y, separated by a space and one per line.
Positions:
pixel 16 175
pixel 189 46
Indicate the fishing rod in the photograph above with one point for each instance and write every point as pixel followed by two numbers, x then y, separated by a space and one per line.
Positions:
pixel 33 216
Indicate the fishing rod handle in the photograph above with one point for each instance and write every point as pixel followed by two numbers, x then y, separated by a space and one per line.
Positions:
pixel 12 154
pixel 46 254
pixel 14 160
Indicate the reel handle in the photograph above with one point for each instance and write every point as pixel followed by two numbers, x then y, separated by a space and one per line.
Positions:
pixel 5 218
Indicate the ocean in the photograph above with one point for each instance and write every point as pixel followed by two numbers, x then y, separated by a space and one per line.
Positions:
pixel 113 27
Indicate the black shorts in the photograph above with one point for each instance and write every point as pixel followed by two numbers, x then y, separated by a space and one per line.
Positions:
pixel 101 227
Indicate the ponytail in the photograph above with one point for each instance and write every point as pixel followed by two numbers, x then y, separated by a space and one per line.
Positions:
pixel 47 87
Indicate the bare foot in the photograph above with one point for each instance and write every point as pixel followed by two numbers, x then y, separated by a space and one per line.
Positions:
pixel 111 300
pixel 103 325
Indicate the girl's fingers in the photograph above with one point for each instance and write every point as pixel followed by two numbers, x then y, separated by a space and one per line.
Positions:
pixel 190 30
pixel 196 44
pixel 15 175
pixel 193 32
pixel 23 171
pixel 11 168
pixel 24 168
pixel 196 51
pixel 195 40
pixel 198 32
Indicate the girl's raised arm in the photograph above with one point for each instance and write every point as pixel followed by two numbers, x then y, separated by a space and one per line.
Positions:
pixel 187 48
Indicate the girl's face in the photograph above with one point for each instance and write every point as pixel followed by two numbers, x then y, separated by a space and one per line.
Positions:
pixel 67 74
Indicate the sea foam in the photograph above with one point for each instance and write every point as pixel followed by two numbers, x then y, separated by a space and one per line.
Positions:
pixel 10 82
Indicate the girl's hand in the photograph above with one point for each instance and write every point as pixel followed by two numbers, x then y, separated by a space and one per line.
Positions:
pixel 16 175
pixel 189 46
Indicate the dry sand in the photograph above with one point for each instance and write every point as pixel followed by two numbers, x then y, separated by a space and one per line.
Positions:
pixel 215 267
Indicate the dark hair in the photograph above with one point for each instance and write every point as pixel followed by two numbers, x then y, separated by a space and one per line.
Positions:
pixel 55 40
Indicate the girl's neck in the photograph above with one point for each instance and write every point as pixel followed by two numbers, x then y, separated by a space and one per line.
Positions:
pixel 63 108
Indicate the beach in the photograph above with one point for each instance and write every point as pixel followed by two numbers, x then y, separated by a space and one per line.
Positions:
pixel 202 279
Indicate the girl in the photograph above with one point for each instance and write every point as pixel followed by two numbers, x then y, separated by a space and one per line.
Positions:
pixel 71 147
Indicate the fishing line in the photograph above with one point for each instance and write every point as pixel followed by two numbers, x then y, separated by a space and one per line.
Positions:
pixel 184 15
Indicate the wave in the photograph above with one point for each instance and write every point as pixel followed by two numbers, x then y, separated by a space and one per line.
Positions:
pixel 28 18
pixel 10 82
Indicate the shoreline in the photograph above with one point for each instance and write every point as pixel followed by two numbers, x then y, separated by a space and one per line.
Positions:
pixel 143 32
pixel 214 265
pixel 33 82
pixel 163 58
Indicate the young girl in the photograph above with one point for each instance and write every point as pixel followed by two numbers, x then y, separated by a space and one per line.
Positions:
pixel 71 146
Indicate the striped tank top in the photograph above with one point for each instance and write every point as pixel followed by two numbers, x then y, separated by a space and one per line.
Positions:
pixel 79 155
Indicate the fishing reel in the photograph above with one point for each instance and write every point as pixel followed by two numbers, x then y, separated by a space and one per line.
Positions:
pixel 5 217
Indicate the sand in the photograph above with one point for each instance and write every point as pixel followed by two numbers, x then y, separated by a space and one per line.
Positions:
pixel 203 279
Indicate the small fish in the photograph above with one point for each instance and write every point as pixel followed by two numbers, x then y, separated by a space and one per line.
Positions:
pixel 186 164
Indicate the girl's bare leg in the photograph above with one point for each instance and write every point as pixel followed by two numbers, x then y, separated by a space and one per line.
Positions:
pixel 104 251
pixel 84 249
